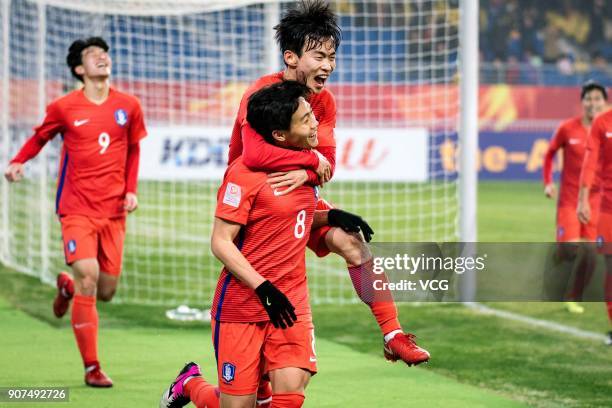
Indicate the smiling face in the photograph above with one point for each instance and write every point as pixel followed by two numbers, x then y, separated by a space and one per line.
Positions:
pixel 302 133
pixel 95 63
pixel 314 66
pixel 593 103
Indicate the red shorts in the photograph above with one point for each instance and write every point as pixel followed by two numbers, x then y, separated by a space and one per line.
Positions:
pixel 604 233
pixel 316 242
pixel 247 351
pixel 101 238
pixel 570 229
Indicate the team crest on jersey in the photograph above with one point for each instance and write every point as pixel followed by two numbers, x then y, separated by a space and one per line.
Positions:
pixel 228 371
pixel 560 232
pixel 71 246
pixel 232 195
pixel 121 117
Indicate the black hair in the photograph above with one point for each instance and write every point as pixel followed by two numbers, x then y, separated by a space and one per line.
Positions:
pixel 74 57
pixel 272 107
pixel 591 85
pixel 311 23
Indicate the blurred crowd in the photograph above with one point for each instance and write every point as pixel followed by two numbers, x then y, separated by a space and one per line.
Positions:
pixel 574 36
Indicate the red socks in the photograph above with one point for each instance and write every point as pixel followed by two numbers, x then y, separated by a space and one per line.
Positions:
pixel 85 326
pixel 201 393
pixel 380 301
pixel 287 400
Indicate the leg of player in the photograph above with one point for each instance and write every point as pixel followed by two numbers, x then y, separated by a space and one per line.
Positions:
pixel 288 386
pixel 85 320
pixel 107 286
pixel 190 386
pixel 608 296
pixel 584 257
pixel 65 292
pixel 397 345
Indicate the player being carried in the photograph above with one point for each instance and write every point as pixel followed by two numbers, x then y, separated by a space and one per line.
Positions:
pixel 572 137
pixel 261 317
pixel 308 37
pixel 598 161
pixel 98 172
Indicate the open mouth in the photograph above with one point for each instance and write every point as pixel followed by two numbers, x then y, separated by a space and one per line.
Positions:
pixel 312 137
pixel 321 79
pixel 102 65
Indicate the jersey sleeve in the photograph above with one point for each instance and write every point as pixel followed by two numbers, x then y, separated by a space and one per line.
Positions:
pixel 260 155
pixel 52 124
pixel 236 196
pixel 556 143
pixel 138 129
pixel 591 157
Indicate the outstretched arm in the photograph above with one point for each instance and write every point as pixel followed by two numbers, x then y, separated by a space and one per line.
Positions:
pixel 52 124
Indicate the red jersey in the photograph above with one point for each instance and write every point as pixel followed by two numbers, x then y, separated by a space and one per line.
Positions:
pixel 572 137
pixel 273 239
pixel 598 159
pixel 262 156
pixel 92 172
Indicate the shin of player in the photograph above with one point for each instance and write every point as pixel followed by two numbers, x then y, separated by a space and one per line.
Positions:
pixel 101 129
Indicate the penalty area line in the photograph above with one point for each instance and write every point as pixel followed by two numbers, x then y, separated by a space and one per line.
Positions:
pixel 546 324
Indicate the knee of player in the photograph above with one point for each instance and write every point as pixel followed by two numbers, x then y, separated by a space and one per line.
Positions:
pixel 86 285
pixel 353 249
pixel 106 295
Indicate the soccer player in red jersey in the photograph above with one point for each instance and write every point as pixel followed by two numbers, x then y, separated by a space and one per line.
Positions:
pixel 262 323
pixel 598 160
pixel 308 37
pixel 98 172
pixel 572 137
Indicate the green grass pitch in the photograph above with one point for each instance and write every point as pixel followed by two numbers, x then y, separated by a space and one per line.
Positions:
pixel 477 360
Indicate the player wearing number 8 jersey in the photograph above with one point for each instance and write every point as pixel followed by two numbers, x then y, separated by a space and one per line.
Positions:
pixel 262 324
pixel 101 129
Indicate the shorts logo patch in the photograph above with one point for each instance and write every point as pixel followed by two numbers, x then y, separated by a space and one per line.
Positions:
pixel 600 241
pixel 560 232
pixel 121 117
pixel 232 195
pixel 71 246
pixel 228 371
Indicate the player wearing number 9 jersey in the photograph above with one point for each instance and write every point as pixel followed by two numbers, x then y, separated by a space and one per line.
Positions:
pixel 101 129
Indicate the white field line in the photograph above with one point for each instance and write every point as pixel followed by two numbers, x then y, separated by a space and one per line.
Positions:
pixel 546 324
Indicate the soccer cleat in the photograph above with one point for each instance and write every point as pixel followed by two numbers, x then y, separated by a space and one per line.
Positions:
pixel 65 291
pixel 608 340
pixel 98 378
pixel 264 394
pixel 173 397
pixel 402 347
pixel 574 307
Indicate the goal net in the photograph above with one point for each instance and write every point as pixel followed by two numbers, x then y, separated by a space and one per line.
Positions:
pixel 189 62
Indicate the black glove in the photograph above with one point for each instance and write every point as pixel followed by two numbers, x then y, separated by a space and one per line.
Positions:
pixel 278 307
pixel 349 223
